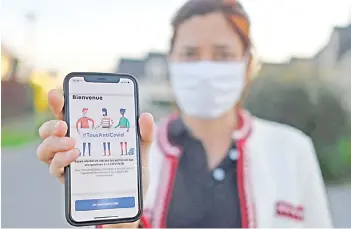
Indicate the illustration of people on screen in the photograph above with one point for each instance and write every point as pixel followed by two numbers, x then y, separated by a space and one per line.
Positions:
pixel 85 144
pixel 82 152
pixel 124 150
pixel 123 121
pixel 85 123
pixel 108 148
pixel 106 122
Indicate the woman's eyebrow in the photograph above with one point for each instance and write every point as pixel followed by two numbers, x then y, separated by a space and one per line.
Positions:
pixel 191 48
pixel 220 47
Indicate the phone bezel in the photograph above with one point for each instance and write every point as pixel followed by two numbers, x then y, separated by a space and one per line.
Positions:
pixel 96 77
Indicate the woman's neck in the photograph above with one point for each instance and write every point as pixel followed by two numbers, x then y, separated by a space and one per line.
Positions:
pixel 215 135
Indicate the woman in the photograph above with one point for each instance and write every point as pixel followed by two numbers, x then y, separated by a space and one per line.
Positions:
pixel 214 165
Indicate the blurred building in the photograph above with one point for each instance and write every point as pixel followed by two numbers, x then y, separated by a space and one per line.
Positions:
pixel 152 67
pixel 334 61
pixel 42 82
pixel 272 69
pixel 335 54
pixel 290 71
pixel 152 74
pixel 134 67
pixel 13 67
pixel 9 63
pixel 16 93
pixel 331 64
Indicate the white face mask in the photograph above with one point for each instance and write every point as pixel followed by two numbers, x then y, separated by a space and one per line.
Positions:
pixel 207 89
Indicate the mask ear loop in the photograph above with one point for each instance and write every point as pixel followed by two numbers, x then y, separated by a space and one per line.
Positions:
pixel 247 58
pixel 253 63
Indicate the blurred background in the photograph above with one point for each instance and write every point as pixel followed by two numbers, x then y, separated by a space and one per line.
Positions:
pixel 305 81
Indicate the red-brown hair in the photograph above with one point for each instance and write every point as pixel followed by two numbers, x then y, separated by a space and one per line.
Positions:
pixel 231 9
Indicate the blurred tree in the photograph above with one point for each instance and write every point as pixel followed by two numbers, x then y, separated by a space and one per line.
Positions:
pixel 278 101
pixel 331 133
pixel 325 120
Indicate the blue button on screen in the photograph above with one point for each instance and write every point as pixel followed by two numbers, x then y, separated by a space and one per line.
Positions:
pixel 101 204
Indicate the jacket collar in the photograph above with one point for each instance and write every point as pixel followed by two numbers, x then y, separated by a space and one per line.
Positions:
pixel 166 128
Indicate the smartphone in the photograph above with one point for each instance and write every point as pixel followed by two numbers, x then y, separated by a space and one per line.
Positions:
pixel 103 186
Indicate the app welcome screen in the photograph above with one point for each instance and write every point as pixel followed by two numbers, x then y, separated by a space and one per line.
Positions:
pixel 104 181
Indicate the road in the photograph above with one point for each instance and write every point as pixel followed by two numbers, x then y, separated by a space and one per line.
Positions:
pixel 32 198
pixel 340 203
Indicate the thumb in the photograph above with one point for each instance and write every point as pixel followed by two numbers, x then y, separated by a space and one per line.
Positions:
pixel 146 124
pixel 56 102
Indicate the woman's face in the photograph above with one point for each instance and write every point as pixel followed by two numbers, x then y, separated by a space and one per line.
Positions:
pixel 209 37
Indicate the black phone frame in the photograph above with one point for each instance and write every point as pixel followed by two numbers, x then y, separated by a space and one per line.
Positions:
pixel 102 78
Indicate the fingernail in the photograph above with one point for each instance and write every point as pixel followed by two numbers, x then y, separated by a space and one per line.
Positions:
pixel 56 128
pixel 57 124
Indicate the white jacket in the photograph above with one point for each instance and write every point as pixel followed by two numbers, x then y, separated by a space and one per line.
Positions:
pixel 279 180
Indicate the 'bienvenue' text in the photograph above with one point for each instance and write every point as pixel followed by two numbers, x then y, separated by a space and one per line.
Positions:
pixel 83 97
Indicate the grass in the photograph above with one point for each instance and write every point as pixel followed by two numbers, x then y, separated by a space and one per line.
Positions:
pixel 21 130
pixel 335 162
pixel 12 138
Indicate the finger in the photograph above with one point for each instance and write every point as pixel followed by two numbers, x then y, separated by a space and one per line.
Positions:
pixel 61 160
pixel 53 127
pixel 146 123
pixel 56 102
pixel 51 145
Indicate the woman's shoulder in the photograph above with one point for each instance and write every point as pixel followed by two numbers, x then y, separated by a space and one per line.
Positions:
pixel 280 133
pixel 284 145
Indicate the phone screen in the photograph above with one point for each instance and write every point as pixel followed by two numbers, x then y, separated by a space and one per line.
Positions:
pixel 104 179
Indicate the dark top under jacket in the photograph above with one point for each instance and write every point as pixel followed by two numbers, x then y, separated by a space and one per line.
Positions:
pixel 202 198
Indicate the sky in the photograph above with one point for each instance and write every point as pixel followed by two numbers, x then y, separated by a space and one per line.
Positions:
pixel 91 35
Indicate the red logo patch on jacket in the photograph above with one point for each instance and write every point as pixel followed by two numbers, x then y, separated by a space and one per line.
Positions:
pixel 288 210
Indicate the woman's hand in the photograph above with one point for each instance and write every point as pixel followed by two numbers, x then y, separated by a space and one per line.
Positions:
pixel 58 151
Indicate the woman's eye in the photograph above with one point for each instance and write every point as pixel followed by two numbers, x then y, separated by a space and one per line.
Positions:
pixel 190 54
pixel 224 56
